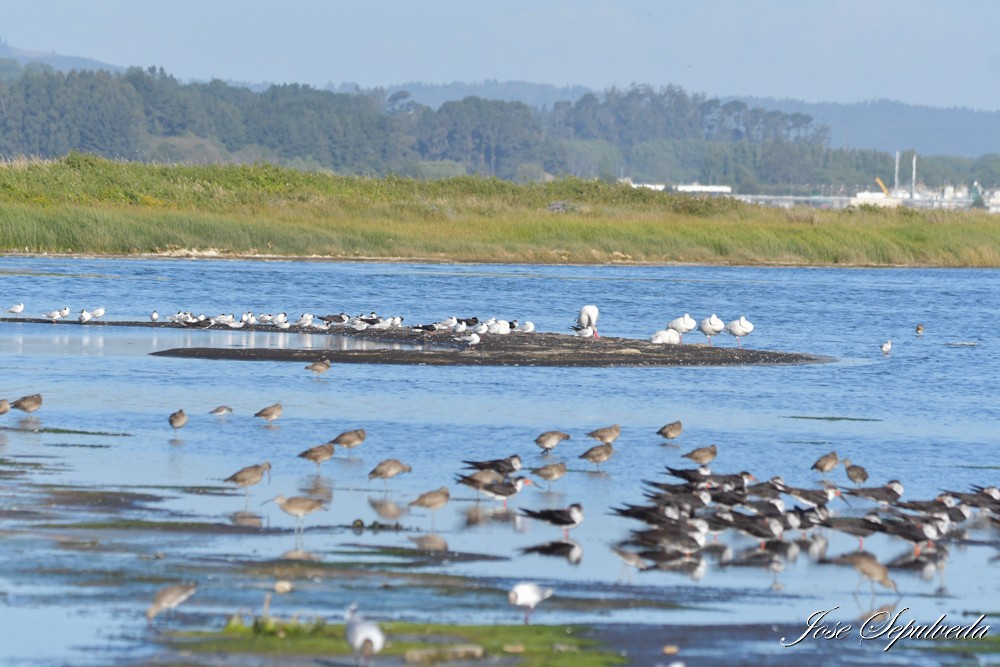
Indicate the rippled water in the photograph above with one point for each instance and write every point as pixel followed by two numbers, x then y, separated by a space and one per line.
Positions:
pixel 927 414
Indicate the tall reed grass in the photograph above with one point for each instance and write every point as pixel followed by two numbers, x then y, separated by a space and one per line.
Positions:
pixel 82 204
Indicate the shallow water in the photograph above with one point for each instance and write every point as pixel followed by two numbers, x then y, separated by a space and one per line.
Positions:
pixel 926 414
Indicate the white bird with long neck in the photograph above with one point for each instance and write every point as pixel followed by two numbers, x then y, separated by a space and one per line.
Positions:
pixel 586 322
pixel 739 328
pixel 711 326
pixel 364 637
pixel 682 325
pixel 528 594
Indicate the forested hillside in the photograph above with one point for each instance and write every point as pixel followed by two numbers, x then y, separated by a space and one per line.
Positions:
pixel 663 135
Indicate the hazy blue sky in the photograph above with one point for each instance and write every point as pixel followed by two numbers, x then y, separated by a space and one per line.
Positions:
pixel 933 52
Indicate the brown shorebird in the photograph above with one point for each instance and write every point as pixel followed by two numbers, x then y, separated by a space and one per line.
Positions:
pixel 671 430
pixel 178 419
pixel 318 454
pixel 388 469
pixel 222 411
pixel 869 568
pixel 826 463
pixel 4 406
pixel 28 403
pixel 349 439
pixel 855 473
pixel 598 454
pixel 631 560
pixel 920 329
pixel 297 506
pixel 551 472
pixel 432 500
pixel 606 435
pixel 169 598
pixel 270 413
pixel 319 367
pixel 249 476
pixel 548 440
pixel 702 455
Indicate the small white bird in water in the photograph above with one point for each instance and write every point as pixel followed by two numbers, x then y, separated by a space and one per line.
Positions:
pixel 886 347
pixel 16 309
pixel 364 637
pixel 528 594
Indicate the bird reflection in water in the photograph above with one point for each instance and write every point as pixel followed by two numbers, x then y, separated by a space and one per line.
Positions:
pixel 246 519
pixel 385 508
pixel 568 549
pixel 318 487
pixel 430 542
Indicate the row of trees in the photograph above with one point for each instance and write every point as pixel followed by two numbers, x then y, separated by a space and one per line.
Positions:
pixel 649 134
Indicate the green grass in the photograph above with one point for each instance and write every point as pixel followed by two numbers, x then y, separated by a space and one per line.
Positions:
pixel 82 204
pixel 554 645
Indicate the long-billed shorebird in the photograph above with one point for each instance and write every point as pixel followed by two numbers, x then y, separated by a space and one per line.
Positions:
pixel 826 463
pixel 349 439
pixel 702 455
pixel 869 568
pixel 178 419
pixel 249 476
pixel 855 473
pixel 318 454
pixel 550 473
pixel 550 439
pixel 270 413
pixel 319 367
pixel 221 411
pixel 297 506
pixel 606 435
pixel 169 598
pixel 387 469
pixel 432 500
pixel 4 406
pixel 598 454
pixel 28 403
pixel 671 430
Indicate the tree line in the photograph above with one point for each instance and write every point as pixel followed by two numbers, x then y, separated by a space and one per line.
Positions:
pixel 660 135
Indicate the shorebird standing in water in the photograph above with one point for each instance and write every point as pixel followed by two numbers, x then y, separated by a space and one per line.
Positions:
pixel 548 440
pixel 387 469
pixel 178 419
pixel 349 439
pixel 270 413
pixel 250 476
pixel 28 403
pixel 364 637
pixel 318 454
pixel 169 598
pixel 606 435
pixel 528 594
pixel 671 430
pixel 319 367
pixel 432 500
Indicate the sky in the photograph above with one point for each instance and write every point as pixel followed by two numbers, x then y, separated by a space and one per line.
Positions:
pixel 936 53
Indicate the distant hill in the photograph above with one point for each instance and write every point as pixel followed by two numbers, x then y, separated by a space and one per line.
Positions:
pixel 893 126
pixel 535 95
pixel 57 62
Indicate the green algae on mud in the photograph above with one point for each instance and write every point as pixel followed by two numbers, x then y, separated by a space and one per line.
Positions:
pixel 528 645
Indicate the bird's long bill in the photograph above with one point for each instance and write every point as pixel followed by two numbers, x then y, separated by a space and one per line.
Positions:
pixel 267 501
pixel 844 498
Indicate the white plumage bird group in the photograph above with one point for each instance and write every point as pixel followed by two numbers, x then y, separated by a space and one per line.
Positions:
pixel 710 326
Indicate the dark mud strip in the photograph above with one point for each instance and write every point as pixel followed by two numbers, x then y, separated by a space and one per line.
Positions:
pixel 403 346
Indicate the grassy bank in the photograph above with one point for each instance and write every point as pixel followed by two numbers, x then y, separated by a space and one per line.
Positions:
pixel 82 204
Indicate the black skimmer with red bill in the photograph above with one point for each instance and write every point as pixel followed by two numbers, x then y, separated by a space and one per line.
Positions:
pixel 814 497
pixel 567 518
pixel 505 490
pixel 859 527
pixel 884 495
pixel 506 466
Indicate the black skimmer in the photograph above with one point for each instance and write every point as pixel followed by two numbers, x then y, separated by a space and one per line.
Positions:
pixel 550 439
pixel 860 527
pixel 740 328
pixel 586 322
pixel 505 490
pixel 169 598
pixel 606 435
pixel 682 325
pixel 505 466
pixel 178 419
pixel 671 430
pixel 528 594
pixel 364 637
pixel 813 497
pixel 567 518
pixel 884 495
pixel 566 548
pixel 711 326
